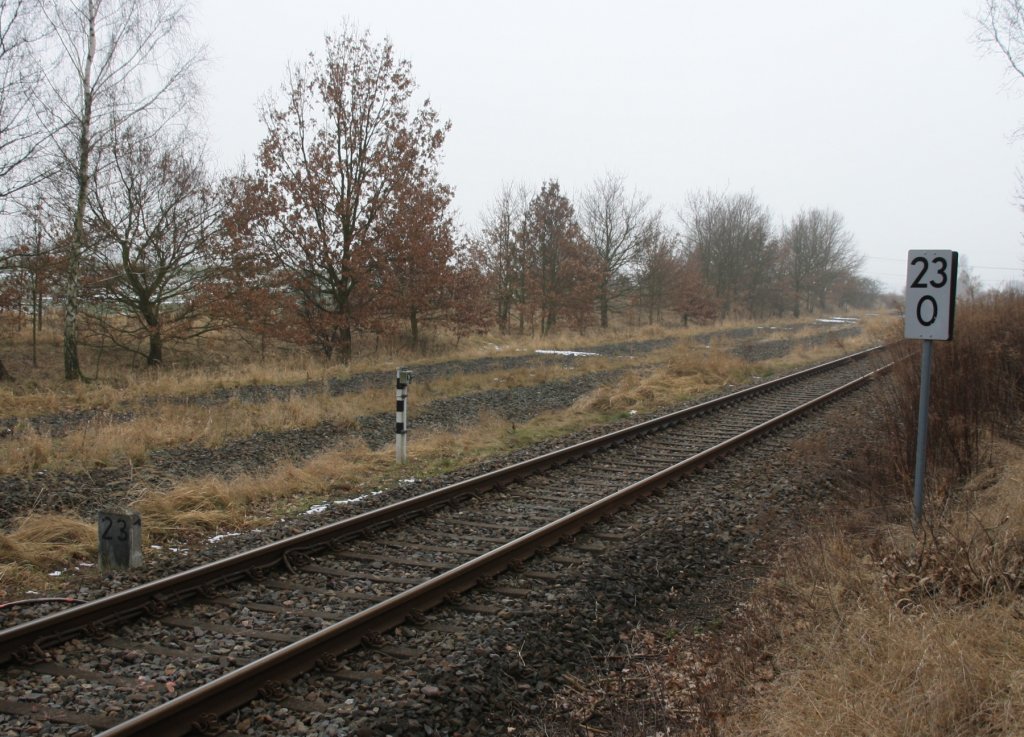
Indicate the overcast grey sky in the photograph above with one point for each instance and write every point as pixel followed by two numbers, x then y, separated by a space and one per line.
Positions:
pixel 885 111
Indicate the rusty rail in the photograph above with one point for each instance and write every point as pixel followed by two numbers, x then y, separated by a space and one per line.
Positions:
pixel 181 587
pixel 177 717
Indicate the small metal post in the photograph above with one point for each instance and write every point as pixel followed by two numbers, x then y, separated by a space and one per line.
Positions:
pixel 922 430
pixel 402 379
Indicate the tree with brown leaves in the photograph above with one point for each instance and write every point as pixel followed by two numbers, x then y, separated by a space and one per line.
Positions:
pixel 562 269
pixel 344 153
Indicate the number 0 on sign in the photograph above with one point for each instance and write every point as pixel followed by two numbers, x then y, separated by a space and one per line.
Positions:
pixel 931 294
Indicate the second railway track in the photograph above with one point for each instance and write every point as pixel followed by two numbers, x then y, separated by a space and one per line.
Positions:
pixel 171 656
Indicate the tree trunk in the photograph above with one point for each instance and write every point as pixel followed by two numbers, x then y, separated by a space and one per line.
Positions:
pixel 344 344
pixel 36 322
pixel 504 314
pixel 72 286
pixel 549 322
pixel 72 367
pixel 156 339
pixel 156 349
pixel 414 328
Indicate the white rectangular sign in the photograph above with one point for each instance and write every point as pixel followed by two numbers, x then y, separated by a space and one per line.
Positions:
pixel 931 294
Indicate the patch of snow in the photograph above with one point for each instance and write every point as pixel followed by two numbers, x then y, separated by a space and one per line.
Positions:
pixel 218 538
pixel 566 353
pixel 56 573
pixel 361 497
pixel 324 506
pixel 837 320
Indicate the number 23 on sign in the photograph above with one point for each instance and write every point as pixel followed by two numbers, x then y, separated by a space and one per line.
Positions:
pixel 931 294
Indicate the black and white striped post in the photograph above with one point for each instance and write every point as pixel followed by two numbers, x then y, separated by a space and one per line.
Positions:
pixel 403 377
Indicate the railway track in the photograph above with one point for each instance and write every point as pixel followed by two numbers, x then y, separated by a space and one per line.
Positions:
pixel 173 656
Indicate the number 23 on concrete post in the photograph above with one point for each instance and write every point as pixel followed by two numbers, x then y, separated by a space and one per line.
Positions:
pixel 931 303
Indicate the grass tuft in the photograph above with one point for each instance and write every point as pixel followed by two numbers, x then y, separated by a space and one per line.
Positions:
pixel 49 540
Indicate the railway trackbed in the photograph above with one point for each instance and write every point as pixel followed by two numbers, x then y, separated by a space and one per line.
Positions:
pixel 176 655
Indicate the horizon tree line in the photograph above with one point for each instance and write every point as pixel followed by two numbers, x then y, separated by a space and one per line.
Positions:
pixel 343 224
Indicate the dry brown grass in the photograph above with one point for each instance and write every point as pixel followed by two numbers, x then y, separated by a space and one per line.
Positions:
pixel 899 634
pixel 167 423
pixel 226 361
pixel 977 392
pixel 883 673
pixel 200 506
pixel 213 503
pixel 677 375
pixel 191 510
pixel 862 629
pixel 49 539
pixel 865 627
pixel 104 443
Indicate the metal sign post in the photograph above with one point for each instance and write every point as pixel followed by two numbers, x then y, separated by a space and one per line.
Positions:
pixel 403 377
pixel 922 430
pixel 931 303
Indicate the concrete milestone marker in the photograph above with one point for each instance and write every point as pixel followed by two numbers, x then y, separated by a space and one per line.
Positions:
pixel 120 540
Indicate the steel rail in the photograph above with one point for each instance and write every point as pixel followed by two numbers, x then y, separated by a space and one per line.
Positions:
pixel 180 587
pixel 222 695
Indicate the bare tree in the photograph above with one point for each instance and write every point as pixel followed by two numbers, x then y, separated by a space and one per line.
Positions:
pixel 22 130
pixel 817 253
pixel 657 264
pixel 505 259
pixel 153 215
pixel 118 61
pixel 32 254
pixel 968 284
pixel 730 236
pixel 1000 25
pixel 859 292
pixel 613 222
